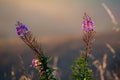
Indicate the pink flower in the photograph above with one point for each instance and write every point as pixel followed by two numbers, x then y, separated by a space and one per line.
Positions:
pixel 88 24
pixel 35 63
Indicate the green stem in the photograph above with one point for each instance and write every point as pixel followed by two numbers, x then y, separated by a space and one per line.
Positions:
pixel 43 60
pixel 85 62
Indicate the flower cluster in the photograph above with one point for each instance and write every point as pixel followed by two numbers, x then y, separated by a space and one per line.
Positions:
pixel 88 24
pixel 21 29
pixel 35 63
pixel 89 33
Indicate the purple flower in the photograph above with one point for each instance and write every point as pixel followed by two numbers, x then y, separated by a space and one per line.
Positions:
pixel 88 24
pixel 21 29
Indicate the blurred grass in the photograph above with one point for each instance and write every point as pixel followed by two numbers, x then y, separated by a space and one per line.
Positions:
pixel 105 52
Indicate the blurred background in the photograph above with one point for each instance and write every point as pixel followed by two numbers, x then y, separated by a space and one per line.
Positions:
pixel 57 26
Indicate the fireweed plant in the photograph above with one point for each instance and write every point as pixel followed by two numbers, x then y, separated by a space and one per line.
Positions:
pixel 40 62
pixel 81 67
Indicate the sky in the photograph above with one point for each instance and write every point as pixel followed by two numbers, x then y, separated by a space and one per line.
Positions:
pixel 57 17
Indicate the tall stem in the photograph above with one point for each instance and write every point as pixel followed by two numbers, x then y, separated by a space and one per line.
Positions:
pixel 87 41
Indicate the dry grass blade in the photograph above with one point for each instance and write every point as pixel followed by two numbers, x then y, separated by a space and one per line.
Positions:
pixel 110 48
pixel 104 61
